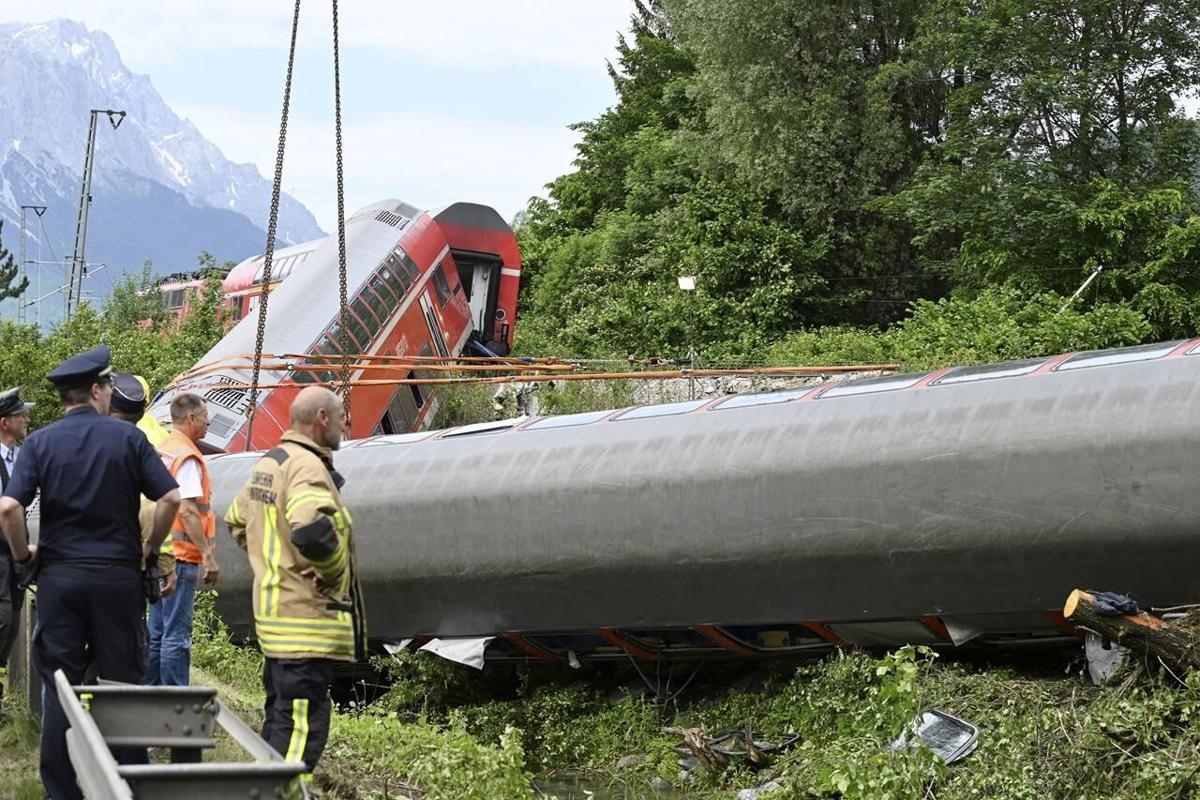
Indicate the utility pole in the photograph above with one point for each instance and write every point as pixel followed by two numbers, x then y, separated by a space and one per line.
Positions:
pixel 23 272
pixel 687 285
pixel 78 265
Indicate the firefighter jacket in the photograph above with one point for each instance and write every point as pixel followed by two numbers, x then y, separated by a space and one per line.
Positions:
pixel 175 450
pixel 289 517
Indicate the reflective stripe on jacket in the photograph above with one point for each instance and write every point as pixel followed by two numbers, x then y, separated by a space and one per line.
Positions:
pixel 179 448
pixel 289 517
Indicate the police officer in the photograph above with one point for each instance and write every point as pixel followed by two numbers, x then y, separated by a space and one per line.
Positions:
pixel 307 604
pixel 14 424
pixel 90 470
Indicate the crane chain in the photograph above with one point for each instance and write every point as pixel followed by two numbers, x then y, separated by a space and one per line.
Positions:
pixel 272 226
pixel 344 313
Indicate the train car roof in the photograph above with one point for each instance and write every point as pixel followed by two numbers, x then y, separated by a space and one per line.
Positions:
pixel 874 384
pixel 471 215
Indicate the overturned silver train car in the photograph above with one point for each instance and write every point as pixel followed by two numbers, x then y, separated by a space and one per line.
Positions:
pixel 955 506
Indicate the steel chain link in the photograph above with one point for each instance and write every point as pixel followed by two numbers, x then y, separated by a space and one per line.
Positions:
pixel 272 226
pixel 344 315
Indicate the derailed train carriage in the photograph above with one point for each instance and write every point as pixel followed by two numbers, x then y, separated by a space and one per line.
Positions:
pixel 418 284
pixel 940 508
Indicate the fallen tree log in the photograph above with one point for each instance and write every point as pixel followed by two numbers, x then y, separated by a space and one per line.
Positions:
pixel 1176 645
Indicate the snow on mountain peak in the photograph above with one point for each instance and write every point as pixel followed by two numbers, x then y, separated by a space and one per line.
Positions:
pixel 52 73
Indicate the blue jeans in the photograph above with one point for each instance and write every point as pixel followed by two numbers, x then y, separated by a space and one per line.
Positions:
pixel 171 631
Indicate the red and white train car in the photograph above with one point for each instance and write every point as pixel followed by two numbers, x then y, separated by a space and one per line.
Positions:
pixel 242 286
pixel 418 284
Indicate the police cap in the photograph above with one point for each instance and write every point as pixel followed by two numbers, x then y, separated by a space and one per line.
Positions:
pixel 83 370
pixel 12 404
pixel 129 395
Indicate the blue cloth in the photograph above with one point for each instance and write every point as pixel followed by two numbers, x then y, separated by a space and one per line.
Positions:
pixel 83 369
pixel 90 470
pixel 90 622
pixel 170 662
pixel 1112 604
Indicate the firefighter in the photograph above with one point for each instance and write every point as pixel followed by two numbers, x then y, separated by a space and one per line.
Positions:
pixel 290 520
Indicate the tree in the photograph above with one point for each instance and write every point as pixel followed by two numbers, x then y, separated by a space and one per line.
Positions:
pixel 142 339
pixel 9 270
pixel 1063 148
pixel 818 104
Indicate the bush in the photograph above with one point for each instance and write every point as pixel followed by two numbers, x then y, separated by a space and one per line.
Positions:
pixel 998 324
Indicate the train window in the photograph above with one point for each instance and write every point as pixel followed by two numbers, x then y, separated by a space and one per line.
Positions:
pixel 313 376
pixel 328 346
pixel 440 285
pixel 411 269
pixel 403 408
pixel 336 334
pixel 403 266
pixel 395 265
pixel 662 409
pixel 379 303
pixel 484 427
pixel 220 425
pixel 392 279
pixel 417 391
pixel 1123 355
pixel 884 383
pixel 568 420
pixel 386 293
pixel 364 310
pixel 766 399
pixel 985 372
pixel 358 330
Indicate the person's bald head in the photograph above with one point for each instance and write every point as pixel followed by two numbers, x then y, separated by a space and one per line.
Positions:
pixel 318 414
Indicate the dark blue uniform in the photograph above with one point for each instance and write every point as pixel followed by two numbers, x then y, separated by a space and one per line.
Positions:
pixel 90 470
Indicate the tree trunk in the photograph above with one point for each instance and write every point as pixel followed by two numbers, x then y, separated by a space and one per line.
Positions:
pixel 1178 646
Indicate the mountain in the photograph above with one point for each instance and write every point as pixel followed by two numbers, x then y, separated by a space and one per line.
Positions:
pixel 160 189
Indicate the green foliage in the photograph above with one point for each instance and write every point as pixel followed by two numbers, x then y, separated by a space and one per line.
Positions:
pixel 998 324
pixel 464 405
pixel 574 397
pixel 19 732
pixel 214 652
pixel 1002 324
pixel 447 763
pixel 568 726
pixel 822 165
pixel 9 270
pixel 133 322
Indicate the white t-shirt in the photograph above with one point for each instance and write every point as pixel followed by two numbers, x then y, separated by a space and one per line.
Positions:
pixel 188 479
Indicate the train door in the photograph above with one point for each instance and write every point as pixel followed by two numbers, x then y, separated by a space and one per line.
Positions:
pixel 407 405
pixel 436 334
pixel 479 274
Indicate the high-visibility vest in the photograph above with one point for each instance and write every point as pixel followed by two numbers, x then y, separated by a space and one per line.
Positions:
pixel 154 430
pixel 178 448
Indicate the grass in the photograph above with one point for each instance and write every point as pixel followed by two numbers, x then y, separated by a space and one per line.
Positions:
pixel 1046 732
pixel 442 731
pixel 18 752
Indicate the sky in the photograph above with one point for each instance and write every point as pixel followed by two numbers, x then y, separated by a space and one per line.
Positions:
pixel 441 101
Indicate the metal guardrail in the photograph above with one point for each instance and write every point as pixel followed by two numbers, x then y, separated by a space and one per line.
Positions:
pixel 182 718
